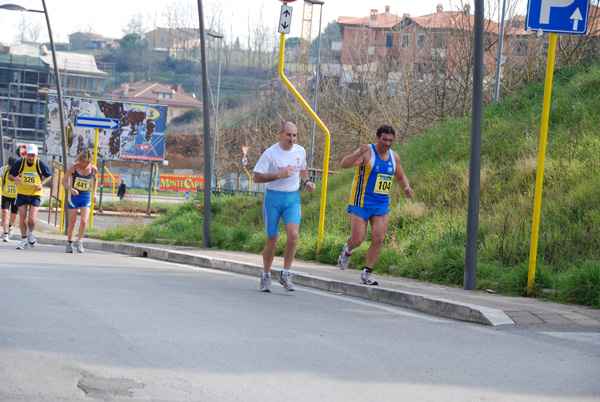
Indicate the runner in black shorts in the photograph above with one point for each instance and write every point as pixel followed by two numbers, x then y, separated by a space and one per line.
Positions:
pixel 9 195
pixel 30 174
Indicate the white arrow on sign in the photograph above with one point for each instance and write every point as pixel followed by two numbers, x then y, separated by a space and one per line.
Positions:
pixel 96 122
pixel 576 17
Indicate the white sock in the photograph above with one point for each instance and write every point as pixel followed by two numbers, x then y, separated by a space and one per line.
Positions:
pixel 286 272
pixel 268 275
pixel 348 251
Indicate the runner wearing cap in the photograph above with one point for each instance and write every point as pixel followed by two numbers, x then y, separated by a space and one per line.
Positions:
pixel 30 174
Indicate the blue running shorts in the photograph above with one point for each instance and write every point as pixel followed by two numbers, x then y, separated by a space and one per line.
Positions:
pixel 284 205
pixel 367 212
pixel 79 201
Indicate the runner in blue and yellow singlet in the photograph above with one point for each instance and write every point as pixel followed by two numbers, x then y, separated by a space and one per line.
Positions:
pixel 376 168
pixel 30 174
pixel 81 183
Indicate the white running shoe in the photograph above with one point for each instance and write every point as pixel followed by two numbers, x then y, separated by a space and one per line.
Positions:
pixel 10 230
pixel 31 238
pixel 286 281
pixel 265 283
pixel 344 258
pixel 5 238
pixel 79 245
pixel 24 244
pixel 368 278
pixel 69 247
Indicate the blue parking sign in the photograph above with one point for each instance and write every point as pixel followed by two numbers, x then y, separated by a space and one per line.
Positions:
pixel 560 16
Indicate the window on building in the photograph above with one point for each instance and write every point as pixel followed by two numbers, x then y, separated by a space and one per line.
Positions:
pixel 438 41
pixel 522 49
pixel 405 39
pixel 419 70
pixel 389 41
pixel 421 40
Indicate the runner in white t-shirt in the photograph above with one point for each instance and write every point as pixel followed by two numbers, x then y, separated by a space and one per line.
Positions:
pixel 281 166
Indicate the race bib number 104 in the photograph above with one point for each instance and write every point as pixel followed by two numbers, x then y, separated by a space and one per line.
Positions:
pixel 383 185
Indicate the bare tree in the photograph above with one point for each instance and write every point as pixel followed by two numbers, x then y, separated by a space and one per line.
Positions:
pixel 22 28
pixel 572 49
pixel 34 31
pixel 134 25
pixel 172 14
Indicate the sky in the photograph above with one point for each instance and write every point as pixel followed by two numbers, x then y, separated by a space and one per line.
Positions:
pixel 108 17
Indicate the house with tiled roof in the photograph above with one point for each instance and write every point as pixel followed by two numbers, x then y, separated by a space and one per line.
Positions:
pixel 177 100
pixel 372 35
pixel 391 38
pixel 174 42
pixel 90 40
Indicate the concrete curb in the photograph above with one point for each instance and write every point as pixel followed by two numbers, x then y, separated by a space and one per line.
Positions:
pixel 427 304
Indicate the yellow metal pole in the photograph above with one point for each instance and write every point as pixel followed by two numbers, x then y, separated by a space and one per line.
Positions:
pixel 249 180
pixel 155 181
pixel 539 179
pixel 327 139
pixel 95 161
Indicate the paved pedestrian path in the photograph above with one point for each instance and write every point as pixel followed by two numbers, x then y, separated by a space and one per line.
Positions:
pixel 472 306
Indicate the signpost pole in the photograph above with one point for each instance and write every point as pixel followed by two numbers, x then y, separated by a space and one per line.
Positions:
pixel 284 28
pixel 150 186
pixel 93 193
pixel 539 178
pixel 101 186
pixel 563 16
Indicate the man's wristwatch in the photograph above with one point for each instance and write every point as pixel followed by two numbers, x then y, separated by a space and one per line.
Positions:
pixel 307 181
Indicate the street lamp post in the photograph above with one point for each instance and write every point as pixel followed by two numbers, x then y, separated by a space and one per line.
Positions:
pixel 499 60
pixel 214 150
pixel 206 121
pixel 15 7
pixel 312 131
pixel 1 141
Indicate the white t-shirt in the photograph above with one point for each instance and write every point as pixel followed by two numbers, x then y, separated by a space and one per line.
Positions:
pixel 275 159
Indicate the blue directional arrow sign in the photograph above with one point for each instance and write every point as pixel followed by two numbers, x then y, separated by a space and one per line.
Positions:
pixel 560 16
pixel 97 122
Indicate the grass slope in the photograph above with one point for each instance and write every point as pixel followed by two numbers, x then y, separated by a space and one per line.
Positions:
pixel 426 236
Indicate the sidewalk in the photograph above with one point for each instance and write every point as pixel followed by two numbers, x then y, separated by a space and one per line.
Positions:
pixel 439 300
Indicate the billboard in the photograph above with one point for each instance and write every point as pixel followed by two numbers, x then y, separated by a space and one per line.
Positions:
pixel 138 136
pixel 181 182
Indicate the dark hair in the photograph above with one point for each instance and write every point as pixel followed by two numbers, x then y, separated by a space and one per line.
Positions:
pixel 12 160
pixel 385 130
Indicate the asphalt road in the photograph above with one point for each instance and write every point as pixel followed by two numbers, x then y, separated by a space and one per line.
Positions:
pixel 106 326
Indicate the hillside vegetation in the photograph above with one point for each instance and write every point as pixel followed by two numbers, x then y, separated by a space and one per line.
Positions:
pixel 426 236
